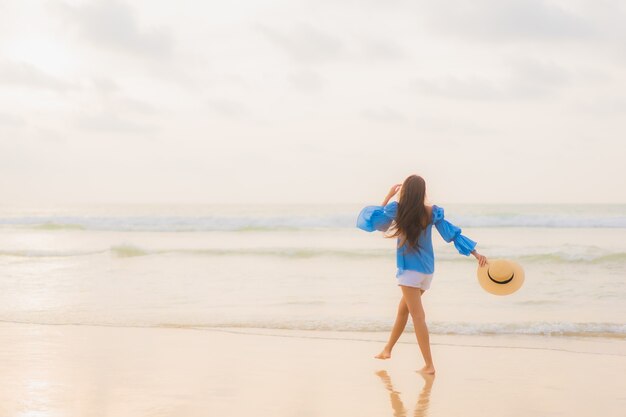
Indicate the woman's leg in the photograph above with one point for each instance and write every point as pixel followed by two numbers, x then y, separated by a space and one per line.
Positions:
pixel 398 327
pixel 413 298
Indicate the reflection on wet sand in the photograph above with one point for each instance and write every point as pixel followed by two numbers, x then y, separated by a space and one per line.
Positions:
pixel 421 408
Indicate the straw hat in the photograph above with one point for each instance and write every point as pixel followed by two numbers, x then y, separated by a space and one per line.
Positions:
pixel 501 276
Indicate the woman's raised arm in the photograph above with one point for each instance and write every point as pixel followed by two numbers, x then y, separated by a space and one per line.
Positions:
pixel 393 191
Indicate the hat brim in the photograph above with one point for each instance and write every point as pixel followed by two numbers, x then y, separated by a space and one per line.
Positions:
pixel 501 289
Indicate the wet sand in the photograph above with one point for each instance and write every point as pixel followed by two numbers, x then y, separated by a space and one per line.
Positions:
pixel 66 370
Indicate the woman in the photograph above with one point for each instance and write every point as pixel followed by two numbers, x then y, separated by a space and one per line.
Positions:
pixel 410 220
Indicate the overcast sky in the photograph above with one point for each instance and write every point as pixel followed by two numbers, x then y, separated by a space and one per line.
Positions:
pixel 297 101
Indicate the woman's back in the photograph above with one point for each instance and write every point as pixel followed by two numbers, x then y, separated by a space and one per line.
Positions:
pixel 419 257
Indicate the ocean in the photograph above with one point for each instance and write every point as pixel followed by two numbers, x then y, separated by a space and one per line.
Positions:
pixel 306 267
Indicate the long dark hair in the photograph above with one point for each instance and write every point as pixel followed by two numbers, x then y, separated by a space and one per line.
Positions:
pixel 412 217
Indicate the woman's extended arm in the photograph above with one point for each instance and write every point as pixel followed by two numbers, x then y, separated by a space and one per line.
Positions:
pixel 451 233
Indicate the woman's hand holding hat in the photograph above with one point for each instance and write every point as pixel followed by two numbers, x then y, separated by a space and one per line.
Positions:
pixel 482 259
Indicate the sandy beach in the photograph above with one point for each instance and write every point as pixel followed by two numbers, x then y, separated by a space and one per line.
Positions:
pixel 66 370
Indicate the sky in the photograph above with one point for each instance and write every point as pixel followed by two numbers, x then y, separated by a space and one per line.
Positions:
pixel 311 101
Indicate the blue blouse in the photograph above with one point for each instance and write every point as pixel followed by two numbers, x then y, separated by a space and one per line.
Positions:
pixel 423 260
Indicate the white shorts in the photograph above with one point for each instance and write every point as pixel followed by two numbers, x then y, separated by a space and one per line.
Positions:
pixel 415 279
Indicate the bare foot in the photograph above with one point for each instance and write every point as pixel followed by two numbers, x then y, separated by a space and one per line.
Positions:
pixel 428 369
pixel 385 354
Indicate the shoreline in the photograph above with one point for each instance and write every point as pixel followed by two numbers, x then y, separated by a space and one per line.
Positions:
pixel 606 342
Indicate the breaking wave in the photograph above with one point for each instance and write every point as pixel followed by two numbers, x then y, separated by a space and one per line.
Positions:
pixel 581 255
pixel 560 329
pixel 294 219
pixel 612 330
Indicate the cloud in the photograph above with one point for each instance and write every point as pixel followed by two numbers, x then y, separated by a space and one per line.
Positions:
pixel 498 20
pixel 306 44
pixel 112 111
pixel 383 114
pixel 382 49
pixel 112 24
pixel 528 79
pixel 306 81
pixel 309 45
pixel 535 78
pixel 105 85
pixel 111 123
pixel 111 96
pixel 472 87
pixel 452 126
pixel 24 74
pixel 228 108
pixel 9 120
